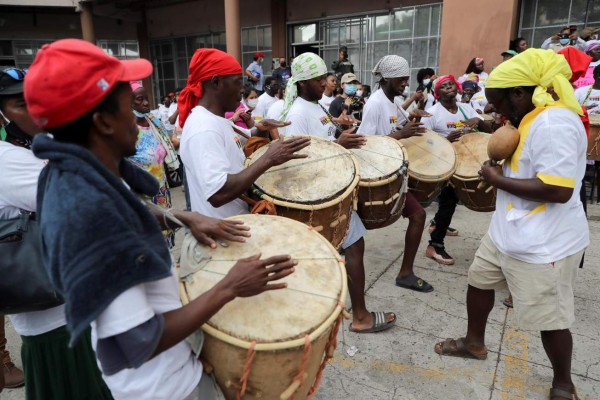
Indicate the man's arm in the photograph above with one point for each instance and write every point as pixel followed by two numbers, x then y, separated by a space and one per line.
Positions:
pixel 173 117
pixel 250 75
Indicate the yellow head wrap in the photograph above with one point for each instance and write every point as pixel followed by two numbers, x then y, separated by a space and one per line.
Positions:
pixel 541 68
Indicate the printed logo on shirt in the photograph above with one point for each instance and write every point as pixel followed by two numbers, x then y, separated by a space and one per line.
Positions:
pixel 594 99
pixel 394 120
pixel 238 142
pixel 325 120
pixel 455 125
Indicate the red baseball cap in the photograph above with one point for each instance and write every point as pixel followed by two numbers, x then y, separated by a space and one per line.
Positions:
pixel 259 54
pixel 71 77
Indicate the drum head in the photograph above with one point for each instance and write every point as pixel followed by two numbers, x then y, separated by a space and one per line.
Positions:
pixel 313 293
pixel 431 157
pixel 381 157
pixel 327 172
pixel 471 153
pixel 594 119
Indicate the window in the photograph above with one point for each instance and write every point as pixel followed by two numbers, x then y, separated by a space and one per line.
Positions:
pixel 122 49
pixel 257 38
pixel 540 19
pixel 25 51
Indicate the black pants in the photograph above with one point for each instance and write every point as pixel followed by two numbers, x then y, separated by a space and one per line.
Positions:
pixel 583 197
pixel 447 204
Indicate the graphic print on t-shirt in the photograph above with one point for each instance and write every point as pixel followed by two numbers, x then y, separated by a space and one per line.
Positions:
pixel 238 142
pixel 455 125
pixel 393 119
pixel 325 120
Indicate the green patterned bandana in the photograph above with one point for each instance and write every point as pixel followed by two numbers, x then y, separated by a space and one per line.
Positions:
pixel 306 66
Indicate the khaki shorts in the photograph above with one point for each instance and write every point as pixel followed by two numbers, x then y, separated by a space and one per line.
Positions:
pixel 542 293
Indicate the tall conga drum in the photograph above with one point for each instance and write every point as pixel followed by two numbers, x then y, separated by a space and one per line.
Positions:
pixel 432 161
pixel 383 181
pixel 471 153
pixel 319 190
pixel 274 345
pixel 593 152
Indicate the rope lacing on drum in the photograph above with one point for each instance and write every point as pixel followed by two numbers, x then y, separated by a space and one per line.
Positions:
pixel 246 371
pixel 594 150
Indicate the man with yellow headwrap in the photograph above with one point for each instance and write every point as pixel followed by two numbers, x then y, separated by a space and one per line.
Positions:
pixel 539 231
pixel 304 89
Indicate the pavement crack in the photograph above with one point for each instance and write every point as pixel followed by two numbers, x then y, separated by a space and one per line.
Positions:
pixel 493 386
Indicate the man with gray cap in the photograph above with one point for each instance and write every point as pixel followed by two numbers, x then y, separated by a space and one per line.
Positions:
pixel 381 116
pixel 301 108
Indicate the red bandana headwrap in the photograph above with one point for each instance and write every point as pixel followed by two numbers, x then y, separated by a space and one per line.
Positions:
pixel 578 61
pixel 443 79
pixel 205 64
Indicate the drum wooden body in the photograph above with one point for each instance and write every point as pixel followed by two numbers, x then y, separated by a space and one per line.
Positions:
pixel 383 180
pixel 319 191
pixel 593 152
pixel 274 344
pixel 432 161
pixel 471 153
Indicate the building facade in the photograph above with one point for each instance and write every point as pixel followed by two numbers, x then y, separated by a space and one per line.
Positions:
pixel 443 35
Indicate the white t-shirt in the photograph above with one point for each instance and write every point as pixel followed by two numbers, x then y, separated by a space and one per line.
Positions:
pixel 380 115
pixel 326 100
pixel 172 374
pixel 264 103
pixel 18 180
pixel 479 101
pixel 538 233
pixel 592 101
pixel 307 116
pixel 430 101
pixel 211 150
pixel 275 113
pixel 482 79
pixel 164 113
pixel 443 121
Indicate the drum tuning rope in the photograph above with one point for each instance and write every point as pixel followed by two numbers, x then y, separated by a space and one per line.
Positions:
pixel 246 373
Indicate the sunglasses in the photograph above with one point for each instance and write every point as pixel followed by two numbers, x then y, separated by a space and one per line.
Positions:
pixel 15 73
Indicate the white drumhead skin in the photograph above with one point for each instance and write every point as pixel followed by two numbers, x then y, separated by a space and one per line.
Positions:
pixel 313 291
pixel 381 157
pixel 430 156
pixel 326 173
pixel 471 153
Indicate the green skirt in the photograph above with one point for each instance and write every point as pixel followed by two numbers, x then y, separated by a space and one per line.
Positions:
pixel 55 371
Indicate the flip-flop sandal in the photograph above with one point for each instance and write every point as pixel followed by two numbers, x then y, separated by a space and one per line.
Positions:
pixel 563 394
pixel 380 323
pixel 415 283
pixel 457 348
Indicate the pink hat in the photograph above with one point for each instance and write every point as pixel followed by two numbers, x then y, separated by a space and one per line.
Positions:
pixel 135 85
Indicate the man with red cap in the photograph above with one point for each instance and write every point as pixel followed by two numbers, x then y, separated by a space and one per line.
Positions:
pixel 210 149
pixel 255 74
pixel 104 249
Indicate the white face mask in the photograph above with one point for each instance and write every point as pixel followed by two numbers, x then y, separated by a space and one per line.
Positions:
pixel 252 103
pixel 426 82
pixel 359 93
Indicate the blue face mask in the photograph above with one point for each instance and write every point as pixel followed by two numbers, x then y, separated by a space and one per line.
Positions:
pixel 426 82
pixel 139 114
pixel 350 89
pixel 564 42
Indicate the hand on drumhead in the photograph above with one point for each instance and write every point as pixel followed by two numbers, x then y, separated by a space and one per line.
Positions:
pixel 418 113
pixel 350 140
pixel 409 130
pixel 268 124
pixel 281 151
pixel 206 228
pixel 251 276
pixel 455 136
pixel 490 172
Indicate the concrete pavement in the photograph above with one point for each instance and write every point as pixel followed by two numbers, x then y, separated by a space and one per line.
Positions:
pixel 400 363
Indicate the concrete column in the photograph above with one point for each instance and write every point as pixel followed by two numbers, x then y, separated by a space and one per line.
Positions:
pixel 233 29
pixel 278 28
pixel 144 45
pixel 87 21
pixel 485 36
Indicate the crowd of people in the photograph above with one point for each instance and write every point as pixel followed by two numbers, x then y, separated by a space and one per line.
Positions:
pixel 120 332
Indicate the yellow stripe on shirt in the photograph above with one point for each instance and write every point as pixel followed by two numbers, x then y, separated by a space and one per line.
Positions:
pixel 557 180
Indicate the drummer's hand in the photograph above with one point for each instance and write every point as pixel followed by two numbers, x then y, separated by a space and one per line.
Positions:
pixel 345 119
pixel 489 108
pixel 490 172
pixel 409 130
pixel 350 140
pixel 454 136
pixel 206 228
pixel 281 151
pixel 251 276
pixel 267 124
pixel 419 113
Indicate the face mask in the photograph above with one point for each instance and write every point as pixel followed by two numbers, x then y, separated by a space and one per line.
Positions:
pixel 426 82
pixel 252 103
pixel 359 93
pixel 282 65
pixel 564 42
pixel 139 114
pixel 350 89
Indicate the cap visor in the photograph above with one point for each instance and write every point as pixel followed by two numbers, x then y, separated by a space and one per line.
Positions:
pixel 135 69
pixel 14 88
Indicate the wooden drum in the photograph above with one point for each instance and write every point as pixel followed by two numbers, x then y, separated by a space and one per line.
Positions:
pixel 274 345
pixel 593 152
pixel 383 181
pixel 471 153
pixel 432 161
pixel 319 190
